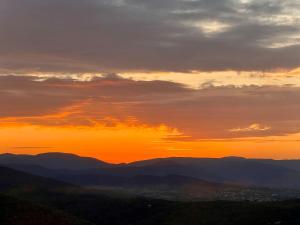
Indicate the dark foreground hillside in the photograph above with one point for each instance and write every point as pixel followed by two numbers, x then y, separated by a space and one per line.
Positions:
pixel 19 212
pixel 32 200
pixel 109 210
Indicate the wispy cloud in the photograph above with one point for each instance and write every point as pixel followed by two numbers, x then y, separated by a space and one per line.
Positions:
pixel 32 147
pixel 250 128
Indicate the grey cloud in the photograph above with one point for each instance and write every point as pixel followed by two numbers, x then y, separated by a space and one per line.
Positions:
pixel 116 35
pixel 99 35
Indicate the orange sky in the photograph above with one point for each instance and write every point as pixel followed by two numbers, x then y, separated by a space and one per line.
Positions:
pixel 125 143
pixel 128 80
pixel 118 119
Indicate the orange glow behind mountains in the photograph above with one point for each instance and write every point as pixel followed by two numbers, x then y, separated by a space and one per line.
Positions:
pixel 125 143
pixel 125 80
pixel 121 120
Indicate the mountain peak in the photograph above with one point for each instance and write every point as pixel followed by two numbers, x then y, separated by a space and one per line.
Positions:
pixel 58 154
pixel 54 160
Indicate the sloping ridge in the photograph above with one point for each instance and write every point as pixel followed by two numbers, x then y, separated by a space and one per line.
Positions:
pixel 11 179
pixel 230 170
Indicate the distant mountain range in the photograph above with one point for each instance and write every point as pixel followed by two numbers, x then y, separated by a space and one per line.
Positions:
pixel 90 171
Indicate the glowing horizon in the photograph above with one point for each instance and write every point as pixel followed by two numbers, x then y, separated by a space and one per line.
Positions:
pixel 124 80
pixel 118 128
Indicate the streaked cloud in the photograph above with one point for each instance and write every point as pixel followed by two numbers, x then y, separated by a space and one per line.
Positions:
pixel 32 147
pixel 207 113
pixel 250 128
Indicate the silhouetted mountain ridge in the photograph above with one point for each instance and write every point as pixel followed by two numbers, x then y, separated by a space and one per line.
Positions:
pixel 54 160
pixel 235 170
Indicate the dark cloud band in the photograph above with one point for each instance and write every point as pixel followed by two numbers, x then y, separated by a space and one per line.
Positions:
pixel 165 35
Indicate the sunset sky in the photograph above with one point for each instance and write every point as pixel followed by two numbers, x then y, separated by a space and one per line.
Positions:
pixel 125 80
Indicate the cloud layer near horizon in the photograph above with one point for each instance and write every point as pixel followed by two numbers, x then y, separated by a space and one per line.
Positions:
pixel 208 113
pixel 156 35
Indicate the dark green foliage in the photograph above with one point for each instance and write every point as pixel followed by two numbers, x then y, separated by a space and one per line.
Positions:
pixel 109 210
pixel 14 211
pixel 236 213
